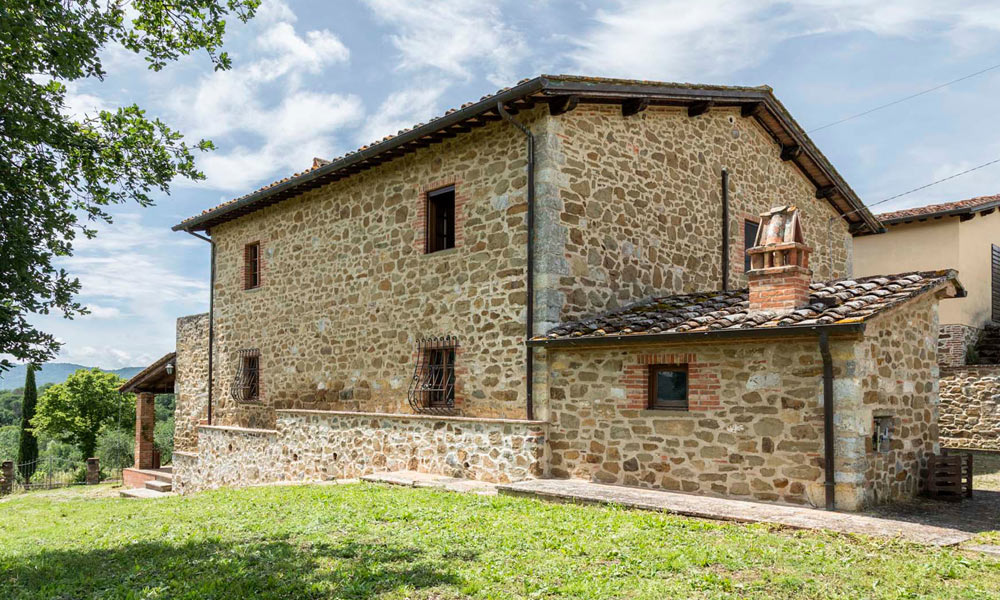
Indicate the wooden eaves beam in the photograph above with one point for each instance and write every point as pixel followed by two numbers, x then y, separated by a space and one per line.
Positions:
pixel 699 108
pixel 825 191
pixel 634 106
pixel 790 152
pixel 751 110
pixel 563 104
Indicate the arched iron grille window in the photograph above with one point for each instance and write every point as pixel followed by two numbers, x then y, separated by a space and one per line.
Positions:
pixel 432 389
pixel 246 385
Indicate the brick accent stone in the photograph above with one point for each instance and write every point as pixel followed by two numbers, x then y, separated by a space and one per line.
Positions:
pixel 93 471
pixel 145 422
pixel 954 341
pixel 324 445
pixel 970 407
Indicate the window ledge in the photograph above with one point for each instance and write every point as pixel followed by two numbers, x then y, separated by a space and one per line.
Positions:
pixel 447 252
pixel 662 412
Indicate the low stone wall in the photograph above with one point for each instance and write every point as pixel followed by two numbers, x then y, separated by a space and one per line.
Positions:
pixel 185 465
pixel 323 445
pixel 970 407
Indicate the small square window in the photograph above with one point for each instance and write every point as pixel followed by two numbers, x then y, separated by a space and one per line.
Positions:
pixel 441 219
pixel 750 229
pixel 251 266
pixel 668 387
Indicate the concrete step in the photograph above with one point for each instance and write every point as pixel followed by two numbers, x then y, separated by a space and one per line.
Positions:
pixel 144 493
pixel 159 486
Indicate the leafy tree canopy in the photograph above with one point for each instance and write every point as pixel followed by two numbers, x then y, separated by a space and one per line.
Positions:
pixel 74 411
pixel 59 172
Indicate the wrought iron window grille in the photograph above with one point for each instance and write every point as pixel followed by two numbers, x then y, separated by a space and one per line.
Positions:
pixel 432 389
pixel 246 385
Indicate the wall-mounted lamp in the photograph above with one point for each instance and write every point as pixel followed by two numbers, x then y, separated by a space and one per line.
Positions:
pixel 170 368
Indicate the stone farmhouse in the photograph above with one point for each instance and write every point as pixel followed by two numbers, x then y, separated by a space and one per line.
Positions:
pixel 630 282
pixel 963 235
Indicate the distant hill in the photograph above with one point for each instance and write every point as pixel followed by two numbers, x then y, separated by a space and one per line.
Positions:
pixel 53 373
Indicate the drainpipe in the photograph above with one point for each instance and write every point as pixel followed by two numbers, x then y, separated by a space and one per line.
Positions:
pixel 211 320
pixel 725 230
pixel 828 432
pixel 529 357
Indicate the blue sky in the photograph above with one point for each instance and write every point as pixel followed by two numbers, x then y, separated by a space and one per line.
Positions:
pixel 314 78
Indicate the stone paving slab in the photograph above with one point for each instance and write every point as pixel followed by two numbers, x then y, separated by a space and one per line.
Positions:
pixel 430 480
pixel 741 511
pixel 144 493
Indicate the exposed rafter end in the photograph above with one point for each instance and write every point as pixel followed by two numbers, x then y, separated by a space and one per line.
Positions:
pixel 751 110
pixel 826 191
pixel 634 106
pixel 699 108
pixel 563 104
pixel 790 152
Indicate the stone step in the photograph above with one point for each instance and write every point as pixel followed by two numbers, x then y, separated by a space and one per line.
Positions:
pixel 159 486
pixel 143 493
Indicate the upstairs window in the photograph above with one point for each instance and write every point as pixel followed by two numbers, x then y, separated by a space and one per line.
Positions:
pixel 251 266
pixel 668 387
pixel 246 385
pixel 750 229
pixel 432 389
pixel 441 219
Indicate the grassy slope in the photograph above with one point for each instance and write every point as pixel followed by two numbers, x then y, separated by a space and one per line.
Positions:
pixel 364 541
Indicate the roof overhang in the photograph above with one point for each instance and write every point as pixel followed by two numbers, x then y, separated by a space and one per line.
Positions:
pixel 758 103
pixel 157 378
pixel 964 213
pixel 836 330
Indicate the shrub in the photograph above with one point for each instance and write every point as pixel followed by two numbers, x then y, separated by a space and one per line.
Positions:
pixel 115 449
pixel 163 437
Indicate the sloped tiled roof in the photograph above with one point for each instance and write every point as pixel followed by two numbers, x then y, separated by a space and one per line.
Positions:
pixel 960 207
pixel 771 114
pixel 149 372
pixel 835 302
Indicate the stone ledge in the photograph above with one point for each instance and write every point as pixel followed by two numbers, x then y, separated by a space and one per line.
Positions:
pixel 191 455
pixel 403 416
pixel 973 368
pixel 239 429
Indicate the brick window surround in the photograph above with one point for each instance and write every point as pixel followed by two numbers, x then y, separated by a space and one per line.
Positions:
pixel 420 219
pixel 703 381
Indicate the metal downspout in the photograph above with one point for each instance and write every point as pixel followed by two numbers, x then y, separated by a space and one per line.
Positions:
pixel 828 431
pixel 529 357
pixel 725 230
pixel 211 320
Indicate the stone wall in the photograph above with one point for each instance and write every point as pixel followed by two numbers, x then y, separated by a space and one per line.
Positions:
pixel 898 376
pixel 190 380
pixel 970 407
pixel 347 290
pixel 754 426
pixel 632 206
pixel 324 445
pixel 954 341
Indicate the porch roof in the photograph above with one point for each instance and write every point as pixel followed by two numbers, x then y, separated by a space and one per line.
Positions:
pixel 157 378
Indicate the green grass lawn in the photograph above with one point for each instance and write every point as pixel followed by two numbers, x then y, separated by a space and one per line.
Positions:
pixel 368 541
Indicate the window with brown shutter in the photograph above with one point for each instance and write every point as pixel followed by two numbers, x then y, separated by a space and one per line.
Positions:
pixel 441 219
pixel 251 266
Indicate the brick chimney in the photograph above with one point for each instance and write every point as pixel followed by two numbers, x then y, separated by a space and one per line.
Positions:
pixel 779 263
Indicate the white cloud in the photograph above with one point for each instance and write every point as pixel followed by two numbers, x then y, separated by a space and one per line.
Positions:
pixel 103 312
pixel 456 37
pixel 260 113
pixel 402 110
pixel 677 40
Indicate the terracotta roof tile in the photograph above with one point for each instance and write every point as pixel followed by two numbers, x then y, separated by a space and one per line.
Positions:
pixel 937 209
pixel 833 302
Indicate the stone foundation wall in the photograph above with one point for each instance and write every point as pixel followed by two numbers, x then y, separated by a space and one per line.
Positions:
pixel 324 445
pixel 190 380
pixel 970 407
pixel 954 340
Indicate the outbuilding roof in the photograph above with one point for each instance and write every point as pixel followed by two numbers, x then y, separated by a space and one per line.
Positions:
pixel 562 93
pixel 833 303
pixel 961 208
pixel 153 379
